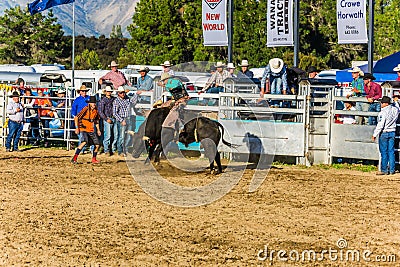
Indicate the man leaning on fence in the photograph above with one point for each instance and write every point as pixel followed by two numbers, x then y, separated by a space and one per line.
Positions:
pixel 374 93
pixel 357 90
pixel 386 131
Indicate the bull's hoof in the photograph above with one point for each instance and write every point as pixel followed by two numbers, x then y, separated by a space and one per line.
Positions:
pixel 215 172
pixel 157 163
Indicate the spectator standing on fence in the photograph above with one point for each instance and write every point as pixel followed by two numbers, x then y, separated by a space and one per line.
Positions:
pixel 312 72
pixel 386 131
pixel 144 84
pixel 15 112
pixel 231 69
pixel 87 125
pixel 357 85
pixel 373 92
pixel 21 85
pixel 167 68
pixel 121 112
pixel 109 127
pixel 397 69
pixel 45 113
pixel 215 83
pixel 274 79
pixel 245 72
pixel 31 116
pixel 60 105
pixel 115 76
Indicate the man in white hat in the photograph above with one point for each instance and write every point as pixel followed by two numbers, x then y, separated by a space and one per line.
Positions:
pixel 144 84
pixel 274 79
pixel 357 90
pixel 215 83
pixel 245 72
pixel 122 112
pixel 397 69
pixel 115 76
pixel 109 128
pixel 166 68
pixel 231 69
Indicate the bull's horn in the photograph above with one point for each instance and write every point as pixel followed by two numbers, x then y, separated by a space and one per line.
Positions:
pixel 131 133
pixel 145 138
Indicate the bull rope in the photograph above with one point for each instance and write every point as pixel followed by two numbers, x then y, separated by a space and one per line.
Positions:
pixel 195 131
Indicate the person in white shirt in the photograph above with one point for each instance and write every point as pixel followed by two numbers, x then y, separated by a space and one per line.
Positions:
pixel 15 112
pixel 386 131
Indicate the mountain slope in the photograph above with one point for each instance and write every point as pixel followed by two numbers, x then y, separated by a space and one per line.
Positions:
pixel 91 17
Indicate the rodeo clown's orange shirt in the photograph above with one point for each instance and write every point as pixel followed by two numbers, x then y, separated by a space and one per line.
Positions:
pixel 87 118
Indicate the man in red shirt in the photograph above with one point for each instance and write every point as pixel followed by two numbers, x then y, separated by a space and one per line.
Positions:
pixel 373 93
pixel 85 122
pixel 115 76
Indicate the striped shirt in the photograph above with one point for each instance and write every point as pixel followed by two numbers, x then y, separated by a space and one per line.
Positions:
pixel 122 107
pixel 217 79
pixel 386 120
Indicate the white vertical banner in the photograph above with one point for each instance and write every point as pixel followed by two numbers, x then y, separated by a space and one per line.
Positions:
pixel 351 21
pixel 280 23
pixel 214 23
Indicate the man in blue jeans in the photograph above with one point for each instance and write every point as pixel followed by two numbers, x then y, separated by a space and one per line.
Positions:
pixel 15 112
pixel 109 127
pixel 386 130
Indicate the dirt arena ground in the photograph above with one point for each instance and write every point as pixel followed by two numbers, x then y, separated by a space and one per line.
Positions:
pixel 57 214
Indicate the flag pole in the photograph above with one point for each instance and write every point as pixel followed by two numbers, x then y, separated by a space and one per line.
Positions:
pixel 73 44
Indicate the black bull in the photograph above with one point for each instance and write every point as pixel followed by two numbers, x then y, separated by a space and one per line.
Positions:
pixel 199 129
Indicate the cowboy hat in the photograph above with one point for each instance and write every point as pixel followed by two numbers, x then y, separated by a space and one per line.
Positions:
pixel 61 91
pixel 230 66
pixel 220 64
pixel 397 68
pixel 245 63
pixel 357 69
pixel 113 64
pixel 165 76
pixel 276 65
pixel 369 76
pixel 92 99
pixel 312 69
pixel 385 99
pixel 121 89
pixel 143 68
pixel 166 64
pixel 108 89
pixel 14 94
pixel 83 88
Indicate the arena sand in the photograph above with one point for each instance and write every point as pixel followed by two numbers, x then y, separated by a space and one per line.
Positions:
pixel 54 213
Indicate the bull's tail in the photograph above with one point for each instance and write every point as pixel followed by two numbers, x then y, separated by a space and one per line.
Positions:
pixel 222 137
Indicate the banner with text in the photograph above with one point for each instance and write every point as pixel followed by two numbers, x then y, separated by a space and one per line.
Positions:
pixel 351 21
pixel 214 23
pixel 280 23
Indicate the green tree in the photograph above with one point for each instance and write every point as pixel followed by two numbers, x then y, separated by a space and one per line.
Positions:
pixel 88 60
pixel 30 39
pixel 116 32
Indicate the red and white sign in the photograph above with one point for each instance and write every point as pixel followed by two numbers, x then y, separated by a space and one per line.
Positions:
pixel 214 23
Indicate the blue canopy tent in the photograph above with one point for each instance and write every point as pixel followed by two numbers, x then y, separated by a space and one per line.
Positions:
pixel 383 69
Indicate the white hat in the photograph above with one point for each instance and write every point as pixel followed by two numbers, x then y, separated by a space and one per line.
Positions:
pixel 220 64
pixel 61 91
pixel 230 66
pixel 121 89
pixel 245 63
pixel 357 70
pixel 109 89
pixel 113 64
pixel 166 64
pixel 142 68
pixel 397 68
pixel 276 65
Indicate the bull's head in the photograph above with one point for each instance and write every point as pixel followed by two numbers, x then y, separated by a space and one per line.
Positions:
pixel 138 145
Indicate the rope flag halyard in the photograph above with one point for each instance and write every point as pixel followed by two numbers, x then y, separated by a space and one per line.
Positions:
pixel 41 5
